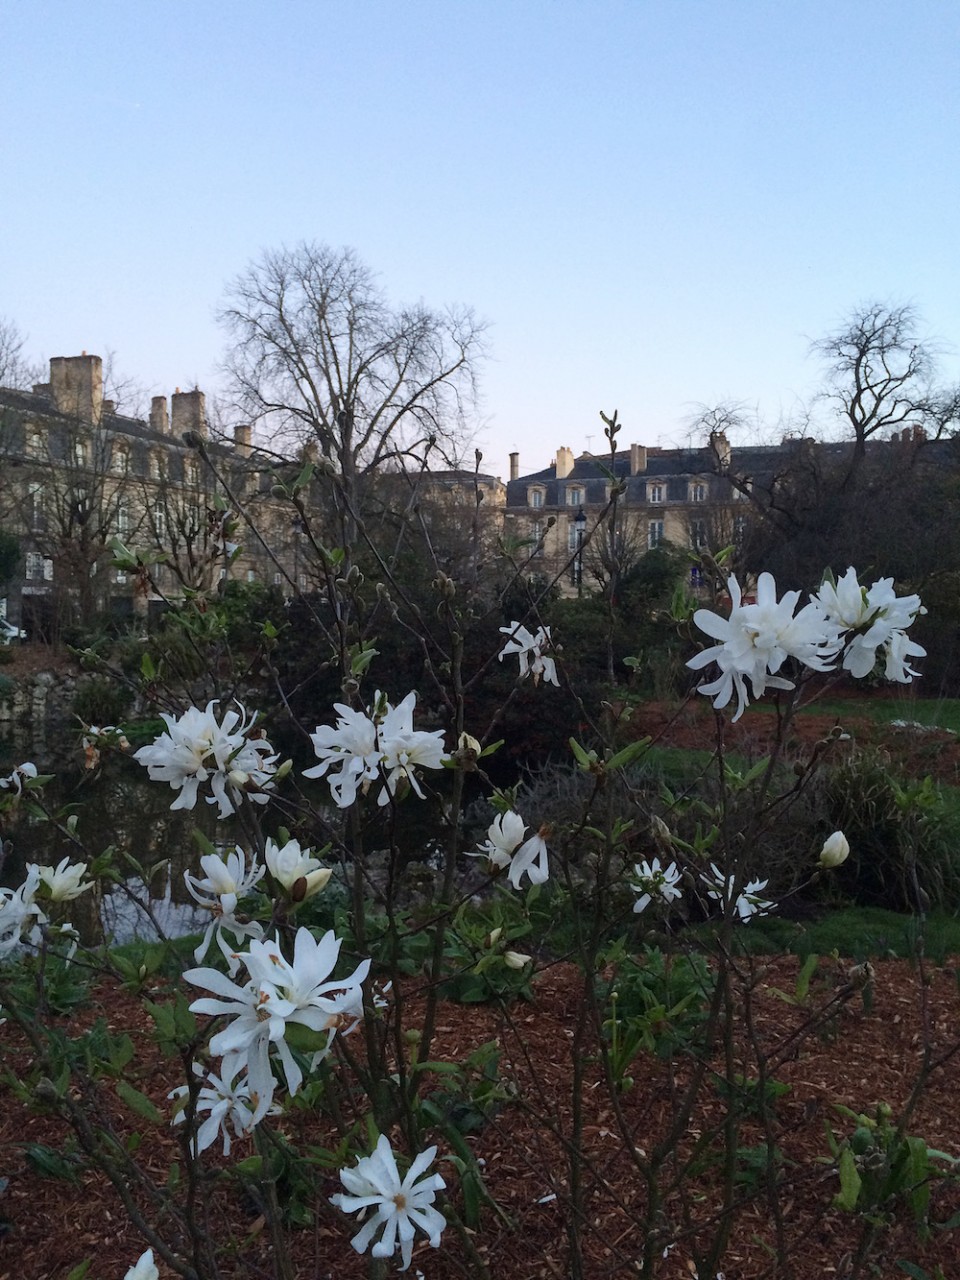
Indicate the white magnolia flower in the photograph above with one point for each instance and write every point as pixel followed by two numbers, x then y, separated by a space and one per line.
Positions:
pixel 530 650
pixel 14 781
pixel 756 639
pixel 144 1269
pixel 652 881
pixel 20 913
pixel 289 864
pixel 835 851
pixel 516 959
pixel 227 880
pixel 401 1205
pixel 404 747
pixel 63 882
pixel 277 993
pixel 197 748
pixel 748 902
pixel 879 619
pixel 233 1112
pixel 505 847
pixel 352 746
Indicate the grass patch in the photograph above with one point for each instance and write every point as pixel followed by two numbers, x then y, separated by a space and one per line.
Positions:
pixel 861 933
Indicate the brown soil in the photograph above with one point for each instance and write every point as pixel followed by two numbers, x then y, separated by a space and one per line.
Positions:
pixel 867 1054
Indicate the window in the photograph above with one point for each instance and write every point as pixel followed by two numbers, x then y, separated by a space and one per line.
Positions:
pixel 302 581
pixel 37 522
pixel 535 497
pixel 698 491
pixel 121 459
pixel 536 536
pixel 221 575
pixel 698 535
pixel 120 577
pixel 574 497
pixel 80 453
pixel 39 568
pixel 574 537
pixel 251 576
pixel 739 529
pixel 159 522
pixel 123 521
pixel 277 579
pixel 655 534
pixel 655 493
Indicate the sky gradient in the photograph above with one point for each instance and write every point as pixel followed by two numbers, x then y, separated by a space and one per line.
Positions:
pixel 655 205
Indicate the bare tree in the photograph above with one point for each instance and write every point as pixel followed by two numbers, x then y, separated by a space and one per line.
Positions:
pixel 320 355
pixel 16 371
pixel 882 378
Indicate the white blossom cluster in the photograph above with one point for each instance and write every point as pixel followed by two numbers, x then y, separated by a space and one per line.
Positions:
pixel 533 651
pixel 506 847
pixel 361 748
pixel 198 748
pixel 866 626
pixel 22 914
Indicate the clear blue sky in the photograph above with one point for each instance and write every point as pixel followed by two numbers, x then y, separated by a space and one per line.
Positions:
pixel 655 204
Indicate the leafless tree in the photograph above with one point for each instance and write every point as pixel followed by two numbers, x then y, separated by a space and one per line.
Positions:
pixel 16 371
pixel 881 378
pixel 318 354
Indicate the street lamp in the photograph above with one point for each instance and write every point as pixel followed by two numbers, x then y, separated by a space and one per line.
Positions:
pixel 580 524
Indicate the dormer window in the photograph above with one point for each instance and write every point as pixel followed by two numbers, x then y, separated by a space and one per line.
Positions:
pixel 535 498
pixel 654 492
pixel 698 491
pixel 574 496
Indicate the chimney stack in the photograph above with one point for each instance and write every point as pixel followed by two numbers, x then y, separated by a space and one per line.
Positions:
pixel 638 459
pixel 564 462
pixel 158 415
pixel 243 439
pixel 188 413
pixel 514 466
pixel 76 384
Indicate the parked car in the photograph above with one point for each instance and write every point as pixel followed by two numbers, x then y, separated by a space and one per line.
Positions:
pixel 9 633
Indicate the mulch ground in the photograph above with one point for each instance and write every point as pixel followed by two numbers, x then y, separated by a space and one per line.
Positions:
pixel 870 1053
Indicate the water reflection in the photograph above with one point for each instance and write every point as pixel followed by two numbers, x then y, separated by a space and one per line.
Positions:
pixel 116 807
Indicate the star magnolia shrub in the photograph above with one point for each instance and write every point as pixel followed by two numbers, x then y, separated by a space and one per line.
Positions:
pixel 400 1205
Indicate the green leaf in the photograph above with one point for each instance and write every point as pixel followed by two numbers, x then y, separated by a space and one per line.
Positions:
pixel 913 1270
pixel 850 1181
pixel 138 1102
pixel 147 669
pixel 628 754
pixel 80 1271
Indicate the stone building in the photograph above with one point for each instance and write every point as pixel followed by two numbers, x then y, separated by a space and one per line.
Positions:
pixel 684 497
pixel 75 474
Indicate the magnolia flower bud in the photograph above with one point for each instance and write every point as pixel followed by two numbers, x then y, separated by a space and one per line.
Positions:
pixel 283 770
pixel 515 959
pixel 493 936
pixel 317 880
pixel 468 743
pixel 238 778
pixel 835 851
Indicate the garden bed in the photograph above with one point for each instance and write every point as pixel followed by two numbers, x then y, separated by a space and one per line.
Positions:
pixel 869 1053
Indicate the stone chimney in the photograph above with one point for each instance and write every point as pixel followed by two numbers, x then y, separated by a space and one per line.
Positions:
pixel 638 459
pixel 514 466
pixel 109 407
pixel 564 462
pixel 188 412
pixel 76 384
pixel 243 439
pixel 42 389
pixel 720 447
pixel 158 415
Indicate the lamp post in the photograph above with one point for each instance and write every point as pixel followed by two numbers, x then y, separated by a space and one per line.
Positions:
pixel 580 524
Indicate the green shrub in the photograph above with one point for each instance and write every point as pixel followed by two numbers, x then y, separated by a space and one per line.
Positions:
pixel 903 836
pixel 101 701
